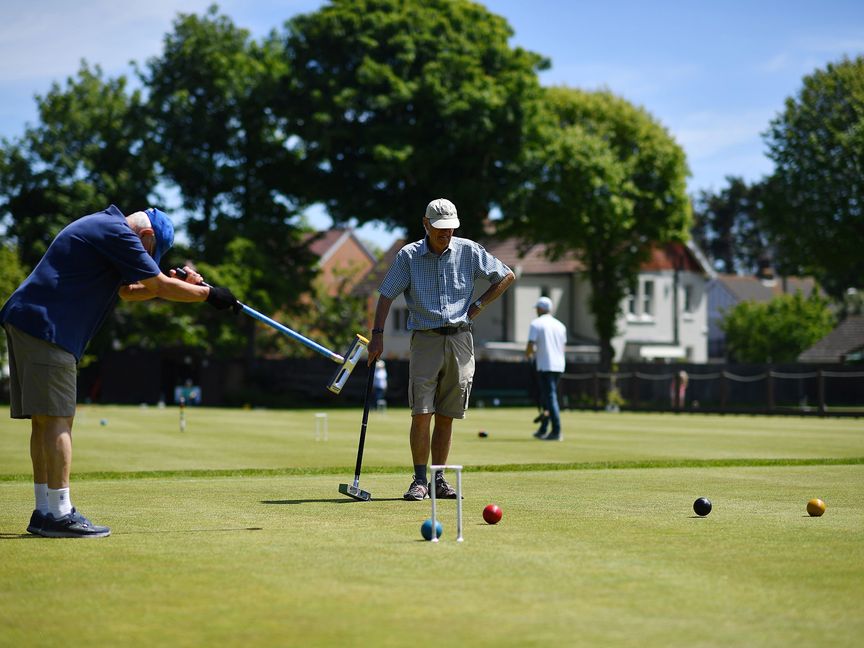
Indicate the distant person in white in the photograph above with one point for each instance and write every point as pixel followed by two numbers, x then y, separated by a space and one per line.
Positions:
pixel 546 339
pixel 380 381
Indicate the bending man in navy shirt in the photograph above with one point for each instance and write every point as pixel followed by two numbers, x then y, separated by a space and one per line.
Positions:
pixel 437 275
pixel 52 316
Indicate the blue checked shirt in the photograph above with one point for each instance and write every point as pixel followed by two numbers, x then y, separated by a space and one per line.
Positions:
pixel 438 289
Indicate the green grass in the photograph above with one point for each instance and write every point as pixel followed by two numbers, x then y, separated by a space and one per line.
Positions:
pixel 233 533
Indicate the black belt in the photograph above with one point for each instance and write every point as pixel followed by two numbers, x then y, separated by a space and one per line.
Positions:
pixel 450 330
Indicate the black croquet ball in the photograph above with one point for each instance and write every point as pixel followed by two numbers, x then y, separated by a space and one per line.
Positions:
pixel 702 506
pixel 482 434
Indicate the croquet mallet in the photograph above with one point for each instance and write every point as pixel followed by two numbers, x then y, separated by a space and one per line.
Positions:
pixel 354 490
pixel 346 363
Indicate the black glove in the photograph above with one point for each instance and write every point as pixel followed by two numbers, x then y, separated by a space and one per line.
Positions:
pixel 223 299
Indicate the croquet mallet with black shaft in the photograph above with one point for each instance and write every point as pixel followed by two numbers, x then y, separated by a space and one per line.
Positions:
pixel 346 363
pixel 354 490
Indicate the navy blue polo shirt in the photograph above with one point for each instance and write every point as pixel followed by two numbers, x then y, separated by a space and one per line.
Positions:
pixel 74 286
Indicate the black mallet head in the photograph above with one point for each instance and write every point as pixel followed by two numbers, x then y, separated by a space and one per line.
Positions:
pixel 702 506
pixel 355 491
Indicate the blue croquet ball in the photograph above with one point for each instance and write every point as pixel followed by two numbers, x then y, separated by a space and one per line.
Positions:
pixel 426 529
pixel 103 422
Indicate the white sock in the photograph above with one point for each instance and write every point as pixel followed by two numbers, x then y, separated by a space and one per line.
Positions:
pixel 59 503
pixel 41 492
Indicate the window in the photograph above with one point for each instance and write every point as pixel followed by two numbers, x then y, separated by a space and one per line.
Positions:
pixel 631 304
pixel 640 302
pixel 688 299
pixel 648 299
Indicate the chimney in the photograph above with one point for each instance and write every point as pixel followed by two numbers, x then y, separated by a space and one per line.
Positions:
pixel 765 273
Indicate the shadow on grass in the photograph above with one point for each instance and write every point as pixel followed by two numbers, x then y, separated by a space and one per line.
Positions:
pixel 335 500
pixel 17 536
pixel 167 531
pixel 491 440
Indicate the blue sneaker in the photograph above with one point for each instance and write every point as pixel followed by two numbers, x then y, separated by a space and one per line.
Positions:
pixel 36 522
pixel 73 525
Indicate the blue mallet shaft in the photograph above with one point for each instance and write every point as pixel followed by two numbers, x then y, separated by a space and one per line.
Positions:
pixel 327 353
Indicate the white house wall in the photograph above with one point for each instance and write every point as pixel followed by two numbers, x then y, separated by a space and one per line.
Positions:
pixel 531 288
pixel 659 327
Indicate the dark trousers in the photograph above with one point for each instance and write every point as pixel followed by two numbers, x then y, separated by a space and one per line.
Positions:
pixel 549 399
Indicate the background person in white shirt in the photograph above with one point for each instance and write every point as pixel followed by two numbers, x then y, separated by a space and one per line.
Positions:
pixel 546 339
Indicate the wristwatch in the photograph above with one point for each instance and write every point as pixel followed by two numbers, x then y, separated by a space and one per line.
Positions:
pixel 478 305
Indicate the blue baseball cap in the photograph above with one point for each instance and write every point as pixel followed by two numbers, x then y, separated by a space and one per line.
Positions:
pixel 164 230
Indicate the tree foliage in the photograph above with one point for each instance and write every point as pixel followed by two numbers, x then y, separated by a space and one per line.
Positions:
pixel 816 193
pixel 84 154
pixel 778 330
pixel 12 273
pixel 727 227
pixel 398 102
pixel 605 182
pixel 220 143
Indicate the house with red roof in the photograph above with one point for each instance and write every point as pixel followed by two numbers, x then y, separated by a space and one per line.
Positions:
pixel 343 259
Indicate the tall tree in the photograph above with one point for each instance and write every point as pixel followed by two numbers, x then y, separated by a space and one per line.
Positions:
pixel 221 144
pixel 85 153
pixel 398 102
pixel 605 182
pixel 816 193
pixel 727 226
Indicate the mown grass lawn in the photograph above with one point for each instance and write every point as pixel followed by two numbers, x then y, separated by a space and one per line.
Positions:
pixel 250 543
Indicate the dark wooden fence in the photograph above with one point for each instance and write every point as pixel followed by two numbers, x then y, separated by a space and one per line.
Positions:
pixel 826 390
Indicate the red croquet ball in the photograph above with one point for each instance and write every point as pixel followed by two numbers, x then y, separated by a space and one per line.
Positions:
pixel 492 513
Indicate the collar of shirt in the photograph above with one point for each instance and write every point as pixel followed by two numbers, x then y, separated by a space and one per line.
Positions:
pixel 426 249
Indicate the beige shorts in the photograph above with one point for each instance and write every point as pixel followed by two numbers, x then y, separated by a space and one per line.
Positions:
pixel 42 376
pixel 441 373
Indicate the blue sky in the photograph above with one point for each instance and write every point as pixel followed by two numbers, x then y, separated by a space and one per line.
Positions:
pixel 714 74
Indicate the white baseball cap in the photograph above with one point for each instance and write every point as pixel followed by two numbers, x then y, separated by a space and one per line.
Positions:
pixel 442 214
pixel 544 304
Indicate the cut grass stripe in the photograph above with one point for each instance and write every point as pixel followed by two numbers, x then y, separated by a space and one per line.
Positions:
pixel 522 467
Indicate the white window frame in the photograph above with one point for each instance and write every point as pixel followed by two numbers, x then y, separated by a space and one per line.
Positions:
pixel 641 303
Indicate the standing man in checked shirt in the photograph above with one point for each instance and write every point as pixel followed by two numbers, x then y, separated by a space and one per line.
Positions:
pixel 437 275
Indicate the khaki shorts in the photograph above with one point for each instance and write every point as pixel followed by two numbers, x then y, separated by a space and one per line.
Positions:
pixel 441 373
pixel 42 376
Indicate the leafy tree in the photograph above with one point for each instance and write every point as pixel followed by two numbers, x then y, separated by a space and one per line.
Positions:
pixel 222 145
pixel 778 330
pixel 727 227
pixel 816 192
pixel 605 182
pixel 84 154
pixel 12 273
pixel 397 102
pixel 331 317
